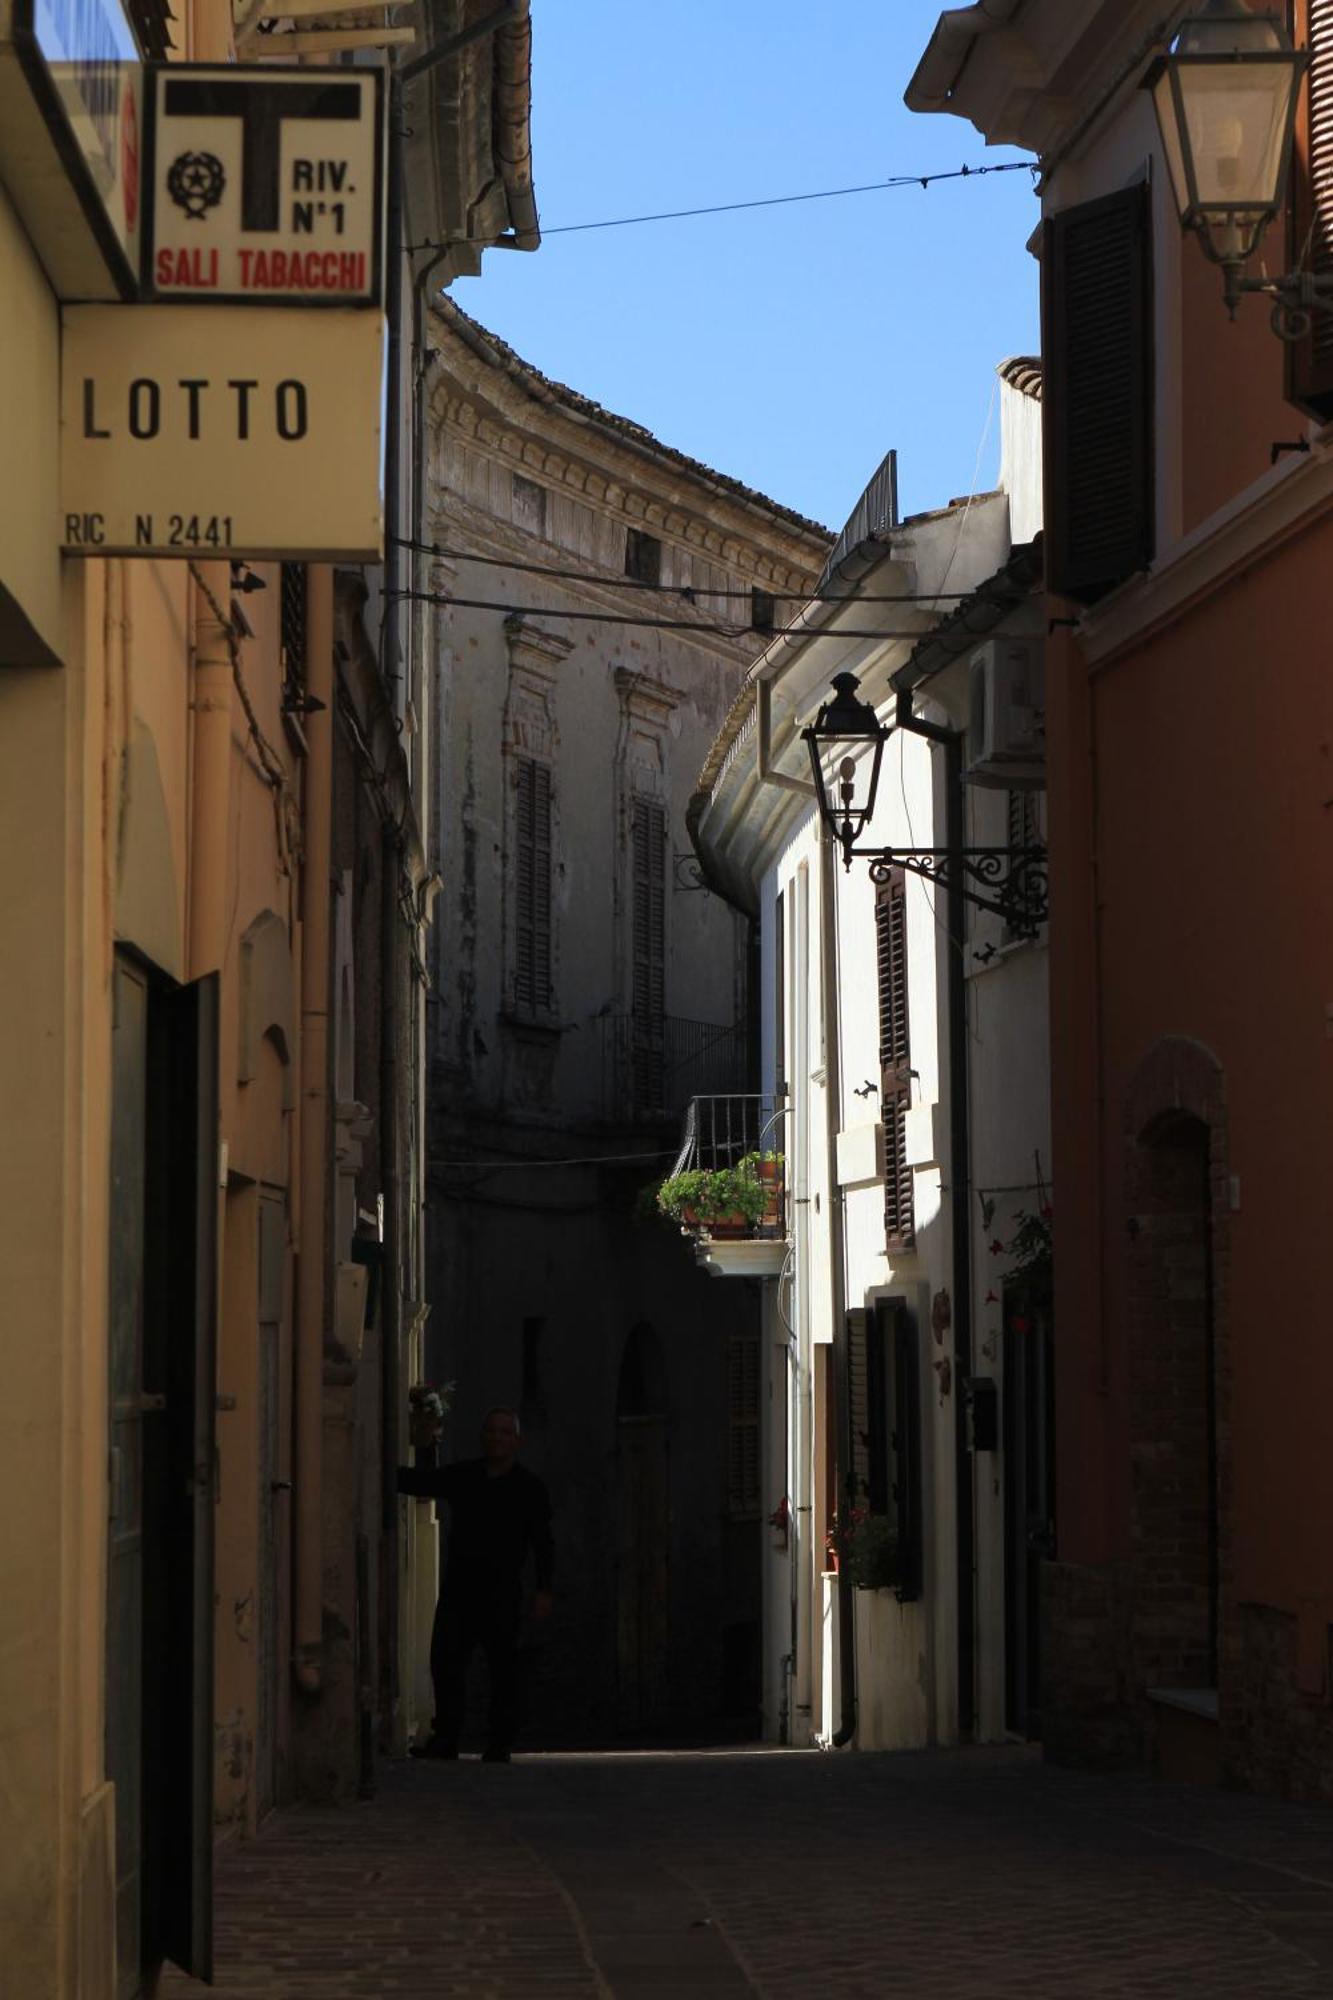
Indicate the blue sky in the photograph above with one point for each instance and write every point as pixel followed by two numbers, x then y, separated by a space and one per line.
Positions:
pixel 789 347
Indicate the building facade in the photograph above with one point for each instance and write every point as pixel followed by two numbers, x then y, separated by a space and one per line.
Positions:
pixel 904 1056
pixel 1187 505
pixel 594 596
pixel 211 907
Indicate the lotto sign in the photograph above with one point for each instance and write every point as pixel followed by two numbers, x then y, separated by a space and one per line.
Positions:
pixel 267 185
pixel 185 431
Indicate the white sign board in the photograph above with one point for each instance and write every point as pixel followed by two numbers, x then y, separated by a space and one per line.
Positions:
pixel 267 185
pixel 84 67
pixel 189 430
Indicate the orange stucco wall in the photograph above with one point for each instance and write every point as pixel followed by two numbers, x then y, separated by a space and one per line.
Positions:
pixel 1192 843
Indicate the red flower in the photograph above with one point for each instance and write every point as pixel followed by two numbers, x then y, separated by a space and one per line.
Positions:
pixel 997 1248
pixel 1046 1211
pixel 991 1299
pixel 1020 1323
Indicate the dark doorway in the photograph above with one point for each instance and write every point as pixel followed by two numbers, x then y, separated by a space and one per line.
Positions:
pixel 162 1329
pixel 273 1512
pixel 643 1524
pixel 1029 1498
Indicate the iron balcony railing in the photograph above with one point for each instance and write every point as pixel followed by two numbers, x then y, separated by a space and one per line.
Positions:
pixel 652 1067
pixel 724 1129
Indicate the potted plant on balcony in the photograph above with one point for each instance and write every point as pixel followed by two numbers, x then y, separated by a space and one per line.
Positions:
pixel 767 1169
pixel 720 1201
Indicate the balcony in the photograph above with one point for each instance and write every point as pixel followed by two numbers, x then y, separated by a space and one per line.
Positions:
pixel 728 1187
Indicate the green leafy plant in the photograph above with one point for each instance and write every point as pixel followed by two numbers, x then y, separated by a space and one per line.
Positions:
pixel 715 1194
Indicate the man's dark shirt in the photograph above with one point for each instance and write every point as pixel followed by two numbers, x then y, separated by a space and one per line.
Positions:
pixel 492 1522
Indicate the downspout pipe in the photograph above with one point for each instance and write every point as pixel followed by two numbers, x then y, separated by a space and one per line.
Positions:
pixel 828 970
pixel 960 1214
pixel 312 1284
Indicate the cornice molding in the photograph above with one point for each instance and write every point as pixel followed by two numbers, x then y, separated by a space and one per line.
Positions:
pixel 616 485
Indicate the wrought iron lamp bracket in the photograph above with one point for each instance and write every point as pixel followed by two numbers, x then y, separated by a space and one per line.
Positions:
pixel 1011 882
pixel 1296 297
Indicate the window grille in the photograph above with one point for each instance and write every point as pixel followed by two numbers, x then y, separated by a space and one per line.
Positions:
pixel 292 633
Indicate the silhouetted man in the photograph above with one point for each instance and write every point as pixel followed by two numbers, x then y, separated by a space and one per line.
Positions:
pixel 498 1511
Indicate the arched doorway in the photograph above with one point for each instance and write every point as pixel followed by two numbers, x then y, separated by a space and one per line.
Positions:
pixel 643 1530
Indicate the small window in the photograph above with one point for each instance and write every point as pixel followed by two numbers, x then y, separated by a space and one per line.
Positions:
pixel 643 556
pixel 763 609
pixel 529 505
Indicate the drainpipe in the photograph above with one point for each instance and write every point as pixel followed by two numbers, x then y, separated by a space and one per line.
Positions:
pixel 211 769
pixel 960 1175
pixel 828 952
pixel 317 828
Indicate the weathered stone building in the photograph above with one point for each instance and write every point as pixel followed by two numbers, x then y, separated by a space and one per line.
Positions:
pixel 604 598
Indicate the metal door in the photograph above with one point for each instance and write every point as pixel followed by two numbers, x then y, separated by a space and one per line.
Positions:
pixel 125 1555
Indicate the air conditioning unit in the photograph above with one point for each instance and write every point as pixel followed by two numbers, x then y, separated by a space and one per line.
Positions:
pixel 1006 734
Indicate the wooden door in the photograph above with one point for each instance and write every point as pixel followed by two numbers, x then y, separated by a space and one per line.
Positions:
pixel 125 1557
pixel 272 1488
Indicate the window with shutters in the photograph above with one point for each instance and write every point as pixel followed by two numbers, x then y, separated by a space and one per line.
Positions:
pixel 895 1058
pixel 743 1436
pixel 532 887
pixel 884 1415
pixel 1310 362
pixel 648 945
pixel 1097 352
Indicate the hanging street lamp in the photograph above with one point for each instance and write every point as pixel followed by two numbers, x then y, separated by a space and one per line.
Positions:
pixel 846 744
pixel 838 739
pixel 1226 94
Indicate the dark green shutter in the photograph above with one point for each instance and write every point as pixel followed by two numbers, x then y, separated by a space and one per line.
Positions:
pixel 532 887
pixel 1098 393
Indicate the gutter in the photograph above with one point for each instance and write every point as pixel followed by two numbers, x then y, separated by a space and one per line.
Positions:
pixel 513 129
pixel 949 51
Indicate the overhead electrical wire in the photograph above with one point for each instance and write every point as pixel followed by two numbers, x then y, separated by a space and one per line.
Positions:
pixel 696 626
pixel 772 200
pixel 689 591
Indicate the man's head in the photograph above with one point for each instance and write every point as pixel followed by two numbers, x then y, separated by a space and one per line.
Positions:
pixel 499 1437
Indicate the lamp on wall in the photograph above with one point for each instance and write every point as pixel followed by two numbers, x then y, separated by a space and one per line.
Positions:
pixel 1226 95
pixel 845 784
pixel 1011 882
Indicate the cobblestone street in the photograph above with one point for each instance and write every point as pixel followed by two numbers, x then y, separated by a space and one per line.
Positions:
pixel 780 1874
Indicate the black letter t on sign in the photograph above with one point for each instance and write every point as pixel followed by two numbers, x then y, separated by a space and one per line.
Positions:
pixel 261 108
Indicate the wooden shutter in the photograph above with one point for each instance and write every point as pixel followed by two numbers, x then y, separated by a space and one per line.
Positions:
pixel 1098 393
pixel 1310 362
pixel 532 887
pixel 648 983
pixel 858 1409
pixel 895 1058
pixel 743 1441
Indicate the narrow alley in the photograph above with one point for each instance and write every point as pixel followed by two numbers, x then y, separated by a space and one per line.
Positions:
pixel 779 1873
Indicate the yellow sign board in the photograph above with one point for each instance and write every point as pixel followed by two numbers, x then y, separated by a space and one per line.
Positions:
pixel 197 430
